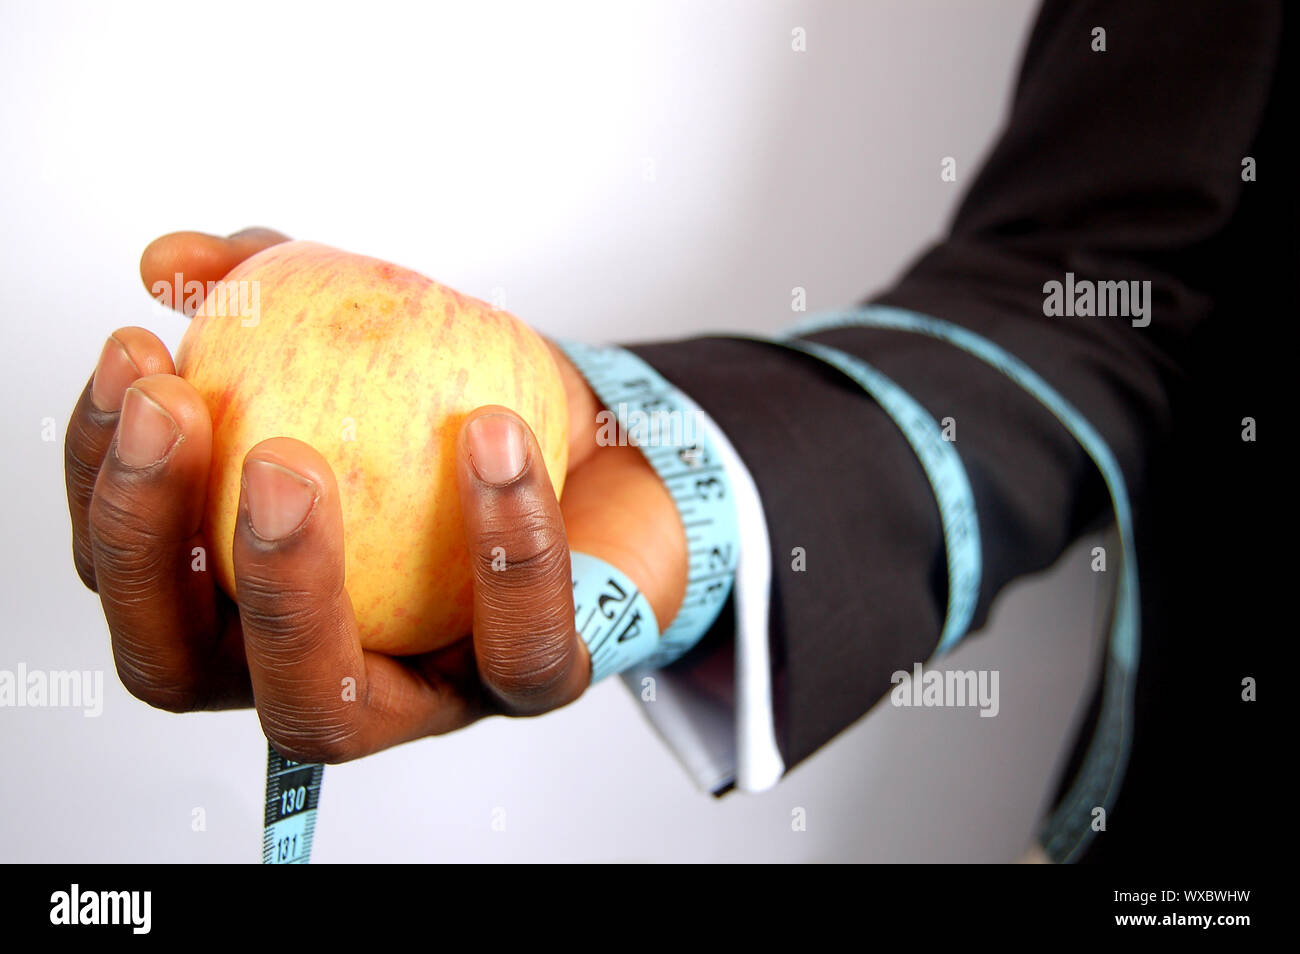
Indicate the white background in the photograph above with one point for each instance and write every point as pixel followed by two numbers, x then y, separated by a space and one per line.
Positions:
pixel 617 171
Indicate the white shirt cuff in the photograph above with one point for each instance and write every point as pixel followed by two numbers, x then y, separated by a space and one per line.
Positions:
pixel 717 743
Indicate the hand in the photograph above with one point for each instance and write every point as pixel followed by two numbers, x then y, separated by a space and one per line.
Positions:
pixel 137 459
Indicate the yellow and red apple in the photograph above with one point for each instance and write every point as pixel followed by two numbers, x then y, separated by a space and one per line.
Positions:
pixel 376 367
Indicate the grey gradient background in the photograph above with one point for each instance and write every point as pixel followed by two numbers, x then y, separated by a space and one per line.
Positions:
pixel 501 149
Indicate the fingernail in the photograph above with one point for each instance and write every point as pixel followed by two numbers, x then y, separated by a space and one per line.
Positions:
pixel 497 448
pixel 278 499
pixel 146 431
pixel 113 375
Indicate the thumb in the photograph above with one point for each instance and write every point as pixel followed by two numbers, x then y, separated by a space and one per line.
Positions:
pixel 529 654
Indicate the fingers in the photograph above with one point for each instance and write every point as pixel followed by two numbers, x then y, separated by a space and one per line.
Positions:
pixel 529 654
pixel 171 262
pixel 144 525
pixel 129 353
pixel 319 696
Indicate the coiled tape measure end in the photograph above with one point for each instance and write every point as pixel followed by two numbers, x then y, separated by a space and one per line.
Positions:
pixel 943 468
pixel 1068 831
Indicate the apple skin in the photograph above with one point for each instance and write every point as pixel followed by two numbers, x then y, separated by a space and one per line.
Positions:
pixel 376 367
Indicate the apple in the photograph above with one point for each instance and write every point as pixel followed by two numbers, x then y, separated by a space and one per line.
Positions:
pixel 376 367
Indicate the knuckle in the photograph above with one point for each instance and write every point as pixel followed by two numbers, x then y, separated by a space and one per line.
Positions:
pixel 528 691
pixel 79 472
pixel 84 562
pixel 287 621
pixel 151 686
pixel 525 642
pixel 322 740
pixel 517 555
pixel 126 575
pixel 125 545
pixel 284 626
pixel 528 661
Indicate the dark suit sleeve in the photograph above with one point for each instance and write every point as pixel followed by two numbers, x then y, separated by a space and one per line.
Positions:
pixel 1123 165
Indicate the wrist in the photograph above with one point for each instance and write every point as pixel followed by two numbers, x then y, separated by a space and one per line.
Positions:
pixel 617 508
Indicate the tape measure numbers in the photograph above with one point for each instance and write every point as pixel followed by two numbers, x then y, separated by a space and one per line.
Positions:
pixel 611 615
pixel 670 430
pixel 292 797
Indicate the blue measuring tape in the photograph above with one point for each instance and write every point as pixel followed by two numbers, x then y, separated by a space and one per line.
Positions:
pixel 1069 830
pixel 672 432
pixel 943 468
pixel 292 796
pixel 611 614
